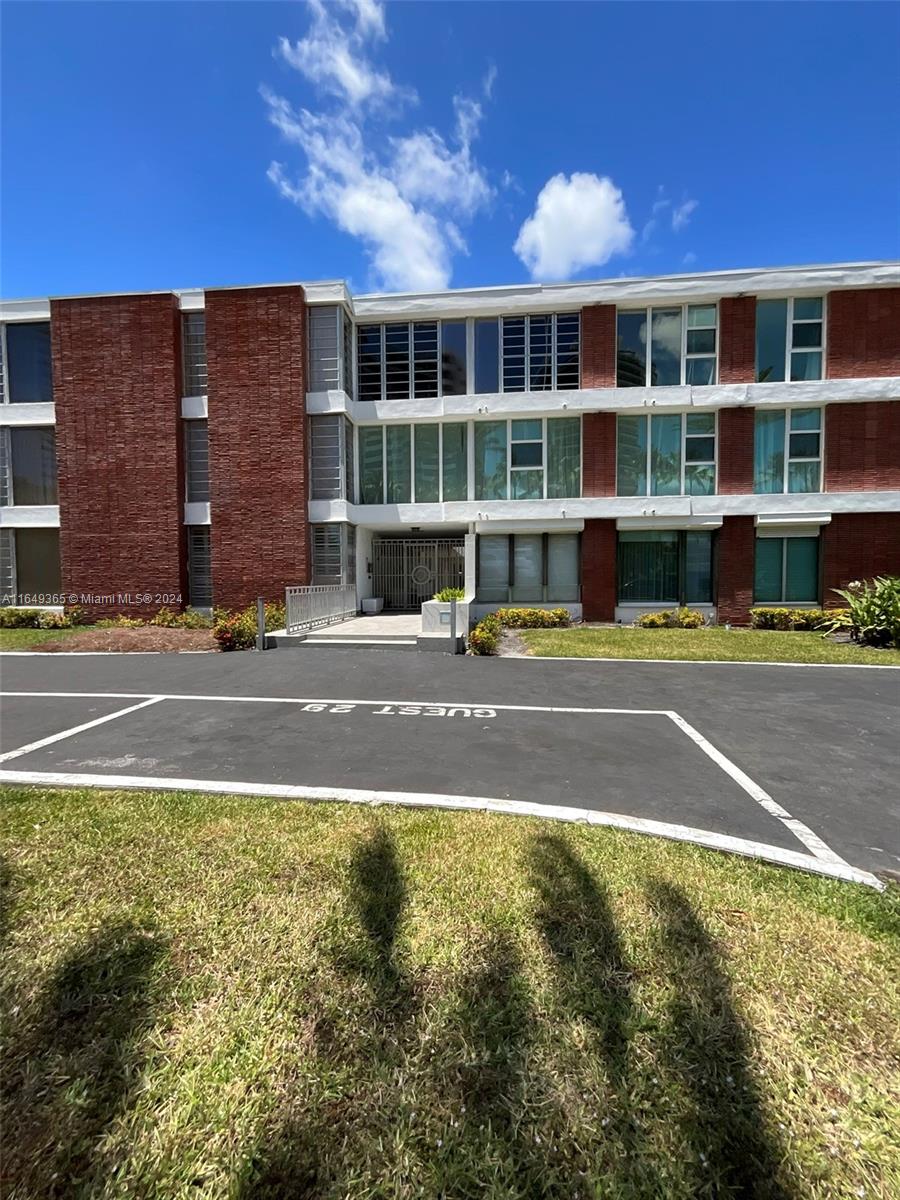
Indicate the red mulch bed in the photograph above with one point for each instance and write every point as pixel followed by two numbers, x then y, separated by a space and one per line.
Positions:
pixel 148 637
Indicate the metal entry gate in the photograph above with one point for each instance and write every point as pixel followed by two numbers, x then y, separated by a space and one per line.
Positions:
pixel 408 571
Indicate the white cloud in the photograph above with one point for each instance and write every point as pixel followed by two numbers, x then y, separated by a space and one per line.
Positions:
pixel 681 215
pixel 689 259
pixel 578 222
pixel 490 78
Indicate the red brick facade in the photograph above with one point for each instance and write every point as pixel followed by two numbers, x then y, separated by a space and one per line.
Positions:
pixel 735 451
pixel 737 339
pixel 598 454
pixel 598 570
pixel 858 546
pixel 117 390
pixel 863 333
pixel 598 346
pixel 862 446
pixel 735 555
pixel 256 356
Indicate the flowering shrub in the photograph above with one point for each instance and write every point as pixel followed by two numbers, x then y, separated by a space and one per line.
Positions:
pixel 533 618
pixel 873 611
pixel 237 630
pixel 484 637
pixel 788 618
pixel 121 622
pixel 679 618
pixel 34 618
pixel 654 620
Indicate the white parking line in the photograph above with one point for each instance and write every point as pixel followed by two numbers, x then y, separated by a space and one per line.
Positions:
pixel 67 733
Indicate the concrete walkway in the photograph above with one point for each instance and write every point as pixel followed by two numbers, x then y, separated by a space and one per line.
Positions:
pixel 399 625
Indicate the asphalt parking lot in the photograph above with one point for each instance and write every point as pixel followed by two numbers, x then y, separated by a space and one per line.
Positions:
pixel 798 765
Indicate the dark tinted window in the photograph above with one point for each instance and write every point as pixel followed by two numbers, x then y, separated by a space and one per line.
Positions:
pixel 453 358
pixel 34 465
pixel 28 363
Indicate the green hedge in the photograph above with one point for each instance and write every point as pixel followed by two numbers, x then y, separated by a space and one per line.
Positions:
pixel 237 630
pixel 34 618
pixel 671 618
pixel 484 638
pixel 790 618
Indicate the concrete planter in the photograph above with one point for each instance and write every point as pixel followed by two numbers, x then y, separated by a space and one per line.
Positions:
pixel 436 617
pixel 372 606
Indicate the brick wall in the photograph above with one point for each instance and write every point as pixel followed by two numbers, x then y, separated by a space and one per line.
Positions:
pixel 736 544
pixel 737 339
pixel 256 355
pixel 598 570
pixel 117 390
pixel 862 446
pixel 858 546
pixel 863 333
pixel 735 451
pixel 598 346
pixel 598 454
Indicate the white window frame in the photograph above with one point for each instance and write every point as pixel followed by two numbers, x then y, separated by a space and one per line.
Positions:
pixel 684 463
pixel 526 317
pixel 648 317
pixel 439 322
pixel 820 458
pixel 511 470
pixel 790 351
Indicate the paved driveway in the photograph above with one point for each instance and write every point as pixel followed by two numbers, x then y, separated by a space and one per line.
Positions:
pixel 798 764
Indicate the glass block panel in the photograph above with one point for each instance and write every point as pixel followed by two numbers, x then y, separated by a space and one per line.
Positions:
pixel 665 455
pixel 455 460
pixel 631 456
pixel 802 570
pixel 371 464
pixel 490 460
pixel 427 463
pixel 397 460
pixel 631 349
pixel 767 574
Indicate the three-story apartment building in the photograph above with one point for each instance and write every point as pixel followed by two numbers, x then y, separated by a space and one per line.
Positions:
pixel 716 440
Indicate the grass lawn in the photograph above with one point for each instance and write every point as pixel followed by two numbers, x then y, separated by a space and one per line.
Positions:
pixel 24 639
pixel 211 997
pixel 720 645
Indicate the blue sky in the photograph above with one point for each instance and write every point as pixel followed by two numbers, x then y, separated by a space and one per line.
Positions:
pixel 420 145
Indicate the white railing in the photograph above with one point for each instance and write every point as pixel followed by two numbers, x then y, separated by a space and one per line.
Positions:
pixel 310 607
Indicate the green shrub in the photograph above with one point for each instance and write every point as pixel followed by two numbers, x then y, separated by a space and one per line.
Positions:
pixel 689 618
pixel 19 618
pixel 236 631
pixel 121 622
pixel 654 620
pixel 449 593
pixel 484 637
pixel 667 618
pixel 275 616
pixel 873 611
pixel 533 618
pixel 166 618
pixel 787 619
pixel 54 620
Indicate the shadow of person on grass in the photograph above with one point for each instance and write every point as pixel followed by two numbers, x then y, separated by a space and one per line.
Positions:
pixel 77 1057
pixel 706 1048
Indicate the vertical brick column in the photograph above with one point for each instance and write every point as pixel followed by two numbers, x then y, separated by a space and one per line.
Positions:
pixel 737 339
pixel 598 570
pixel 117 389
pixel 598 346
pixel 858 546
pixel 862 446
pixel 863 333
pixel 736 550
pixel 256 359
pixel 598 454
pixel 735 451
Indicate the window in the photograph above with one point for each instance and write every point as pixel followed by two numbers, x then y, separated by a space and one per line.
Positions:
pixel 511 457
pixel 333 554
pixel 675 345
pixel 487 356
pixel 371 464
pixel 330 349
pixel 426 449
pixel 526 475
pixel 455 460
pixel 193 342
pixel 199 567
pixel 7 567
pixel 424 464
pixel 196 457
pixel 453 358
pixel 563 458
pixel 29 467
pixel 399 360
pixel 541 353
pixel 331 457
pixel 675 452
pixel 490 460
pixel 789 339
pixel 528 568
pixel 664 566
pixel 787 570
pixel 31 573
pixel 398 479
pixel 787 455
pixel 29 377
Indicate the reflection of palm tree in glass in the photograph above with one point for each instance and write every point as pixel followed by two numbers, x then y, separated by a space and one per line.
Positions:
pixel 666 472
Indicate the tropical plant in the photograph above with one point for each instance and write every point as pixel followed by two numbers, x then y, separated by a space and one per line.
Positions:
pixel 449 593
pixel 873 611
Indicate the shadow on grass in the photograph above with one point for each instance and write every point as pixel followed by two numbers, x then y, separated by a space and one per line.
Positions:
pixel 706 1050
pixel 74 1062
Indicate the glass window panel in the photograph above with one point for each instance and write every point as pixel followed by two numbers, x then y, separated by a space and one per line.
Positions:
pixel 807 336
pixel 665 346
pixel 665 455
pixel 771 343
pixel 199 567
pixel 368 362
pixel 527 485
pixel 396 362
pixel 631 350
pixel 397 439
pixel 493 568
pixel 28 364
pixel 631 456
pixel 701 372
pixel 803 476
pixel 804 445
pixel 540 353
pixel 528 568
pixel 487 355
pixel 806 365
pixel 196 454
pixel 767 575
pixel 427 467
pixel 425 359
pixel 563 568
pixel 513 354
pixel 33 451
pixel 702 422
pixel 808 308
pixel 490 460
pixel 563 457
pixel 806 418
pixel 701 341
pixel 699 449
pixel 193 345
pixel 371 464
pixel 700 315
pixel 453 358
pixel 802 569
pixel 37 566
pixel 455 462
pixel 768 451
pixel 699 480
pixel 698 567
pixel 568 336
pixel 527 454
pixel 526 431
pixel 648 567
pixel 349 465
